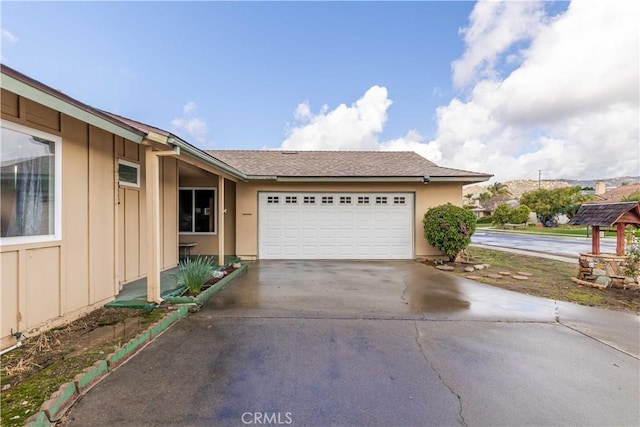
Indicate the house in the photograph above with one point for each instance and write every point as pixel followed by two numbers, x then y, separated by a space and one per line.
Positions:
pixel 615 194
pixel 92 201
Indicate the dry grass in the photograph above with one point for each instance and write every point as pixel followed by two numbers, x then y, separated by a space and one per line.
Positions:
pixel 551 279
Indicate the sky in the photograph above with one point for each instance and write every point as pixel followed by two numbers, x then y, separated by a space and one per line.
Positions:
pixel 507 88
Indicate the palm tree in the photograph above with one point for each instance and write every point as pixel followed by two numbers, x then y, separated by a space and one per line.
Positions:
pixel 499 189
pixel 469 198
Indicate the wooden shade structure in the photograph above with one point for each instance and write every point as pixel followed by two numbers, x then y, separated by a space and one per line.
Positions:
pixel 607 215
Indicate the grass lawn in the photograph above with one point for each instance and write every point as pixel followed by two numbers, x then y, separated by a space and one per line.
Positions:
pixel 562 230
pixel 551 279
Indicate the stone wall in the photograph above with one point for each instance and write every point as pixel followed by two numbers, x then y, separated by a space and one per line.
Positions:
pixel 606 269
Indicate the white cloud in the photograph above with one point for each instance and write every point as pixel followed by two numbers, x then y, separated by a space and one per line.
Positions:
pixel 189 107
pixel 8 37
pixel 194 127
pixel 352 127
pixel 570 106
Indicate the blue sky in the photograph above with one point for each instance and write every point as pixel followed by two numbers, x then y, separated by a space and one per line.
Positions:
pixel 251 75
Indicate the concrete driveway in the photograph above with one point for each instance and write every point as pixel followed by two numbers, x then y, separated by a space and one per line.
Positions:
pixel 328 343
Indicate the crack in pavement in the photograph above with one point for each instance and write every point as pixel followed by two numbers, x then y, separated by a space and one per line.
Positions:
pixel 464 422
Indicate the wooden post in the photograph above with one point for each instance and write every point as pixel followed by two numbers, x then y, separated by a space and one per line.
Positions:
pixel 152 182
pixel 595 240
pixel 221 210
pixel 620 239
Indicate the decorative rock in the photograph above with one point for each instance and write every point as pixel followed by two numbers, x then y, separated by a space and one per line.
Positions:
pixel 628 280
pixel 603 281
pixel 479 266
pixel 494 276
pixel 445 267
pixel 469 269
pixel 237 265
pixel 518 277
pixel 472 277
pixel 504 273
pixel 524 273
pixel 599 272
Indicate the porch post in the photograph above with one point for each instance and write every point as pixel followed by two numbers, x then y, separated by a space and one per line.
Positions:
pixel 152 182
pixel 620 239
pixel 221 212
pixel 595 240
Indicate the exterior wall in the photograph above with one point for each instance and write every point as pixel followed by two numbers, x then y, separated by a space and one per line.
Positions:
pixel 426 196
pixel 207 244
pixel 44 284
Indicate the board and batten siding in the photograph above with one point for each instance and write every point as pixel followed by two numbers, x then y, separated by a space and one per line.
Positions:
pixel 47 284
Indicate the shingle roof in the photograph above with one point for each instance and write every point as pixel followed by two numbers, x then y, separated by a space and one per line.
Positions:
pixel 617 194
pixel 338 164
pixel 605 214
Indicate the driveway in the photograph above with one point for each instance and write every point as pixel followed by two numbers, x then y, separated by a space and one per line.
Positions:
pixel 330 343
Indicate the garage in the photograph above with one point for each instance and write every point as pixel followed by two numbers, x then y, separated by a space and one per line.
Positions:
pixel 329 225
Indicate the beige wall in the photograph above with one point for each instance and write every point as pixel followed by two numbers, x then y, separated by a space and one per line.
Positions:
pixel 426 196
pixel 207 244
pixel 103 228
pixel 45 282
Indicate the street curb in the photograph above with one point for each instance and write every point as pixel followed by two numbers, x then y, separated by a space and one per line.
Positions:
pixel 60 401
pixel 39 419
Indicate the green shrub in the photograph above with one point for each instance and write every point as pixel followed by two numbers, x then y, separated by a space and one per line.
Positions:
pixel 449 228
pixel 485 220
pixel 505 214
pixel 194 273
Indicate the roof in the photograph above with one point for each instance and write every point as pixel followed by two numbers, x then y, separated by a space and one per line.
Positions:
pixel 618 193
pixel 340 164
pixel 607 214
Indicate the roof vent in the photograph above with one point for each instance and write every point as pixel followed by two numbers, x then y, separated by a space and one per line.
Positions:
pixel 289 152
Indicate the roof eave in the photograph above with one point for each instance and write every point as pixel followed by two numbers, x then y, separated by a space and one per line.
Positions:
pixel 53 99
pixel 205 157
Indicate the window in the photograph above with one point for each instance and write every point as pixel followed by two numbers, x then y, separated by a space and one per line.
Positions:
pixel 128 173
pixel 381 200
pixel 309 200
pixel 273 200
pixel 197 210
pixel 345 200
pixel 290 200
pixel 400 200
pixel 327 200
pixel 363 200
pixel 30 187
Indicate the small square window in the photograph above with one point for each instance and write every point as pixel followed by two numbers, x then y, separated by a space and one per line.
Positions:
pixel 381 200
pixel 399 200
pixel 273 199
pixel 291 200
pixel 327 200
pixel 345 200
pixel 309 200
pixel 363 200
pixel 128 173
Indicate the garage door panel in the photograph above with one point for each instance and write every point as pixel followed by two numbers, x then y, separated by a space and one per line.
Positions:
pixel 336 226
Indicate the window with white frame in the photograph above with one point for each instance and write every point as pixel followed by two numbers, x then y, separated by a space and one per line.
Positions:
pixel 31 185
pixel 197 211
pixel 128 173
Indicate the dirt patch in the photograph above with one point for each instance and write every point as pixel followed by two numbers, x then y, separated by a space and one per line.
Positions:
pixel 31 373
pixel 544 278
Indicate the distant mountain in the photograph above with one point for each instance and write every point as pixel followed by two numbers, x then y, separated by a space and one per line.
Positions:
pixel 519 187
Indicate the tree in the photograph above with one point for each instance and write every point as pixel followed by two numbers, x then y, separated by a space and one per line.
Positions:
pixel 483 197
pixel 499 189
pixel 549 203
pixel 469 198
pixel 449 228
pixel 505 214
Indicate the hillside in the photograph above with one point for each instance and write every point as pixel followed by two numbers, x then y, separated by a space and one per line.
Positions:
pixel 519 187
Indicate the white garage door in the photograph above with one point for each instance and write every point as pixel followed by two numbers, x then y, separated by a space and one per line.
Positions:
pixel 335 226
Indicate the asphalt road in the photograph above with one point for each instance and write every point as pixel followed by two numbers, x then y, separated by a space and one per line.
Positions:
pixel 568 246
pixel 376 344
